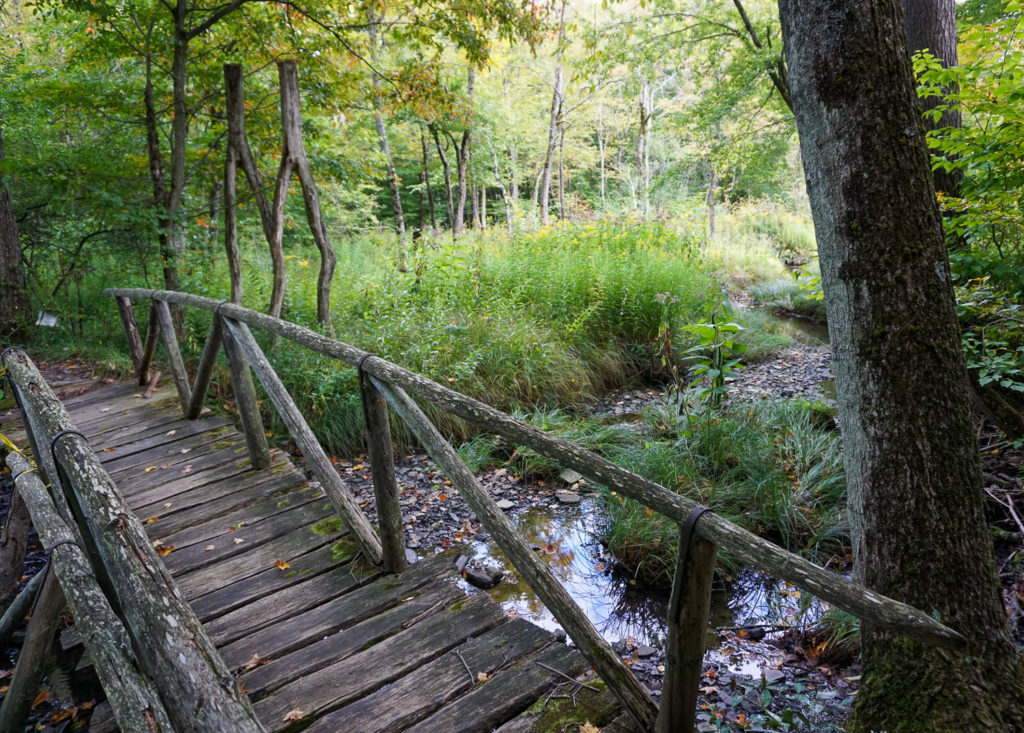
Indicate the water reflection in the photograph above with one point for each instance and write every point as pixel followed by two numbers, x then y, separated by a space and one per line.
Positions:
pixel 566 536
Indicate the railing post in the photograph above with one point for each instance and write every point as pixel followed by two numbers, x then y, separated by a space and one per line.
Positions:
pixel 152 332
pixel 245 402
pixel 131 330
pixel 385 486
pixel 204 372
pixel 336 490
pixel 28 673
pixel 621 682
pixel 163 314
pixel 689 609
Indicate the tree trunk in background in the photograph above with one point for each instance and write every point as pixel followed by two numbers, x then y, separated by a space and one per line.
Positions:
pixel 543 195
pixel 931 24
pixel 913 475
pixel 15 308
pixel 646 103
pixel 483 207
pixel 561 167
pixel 513 175
pixel 462 152
pixel 426 179
pixel 504 193
pixel 447 178
pixel 601 151
pixel 709 200
pixel 382 137
pixel 293 157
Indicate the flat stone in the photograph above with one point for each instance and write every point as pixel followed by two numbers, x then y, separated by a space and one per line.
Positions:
pixel 643 651
pixel 773 675
pixel 505 505
pixel 570 476
pixel 568 497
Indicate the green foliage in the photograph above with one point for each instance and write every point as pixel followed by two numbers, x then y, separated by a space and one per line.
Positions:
pixel 993 337
pixel 789 235
pixel 988 88
pixel 773 467
pixel 714 354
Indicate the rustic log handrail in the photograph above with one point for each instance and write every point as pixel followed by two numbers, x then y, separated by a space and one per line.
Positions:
pixel 709 530
pixel 197 689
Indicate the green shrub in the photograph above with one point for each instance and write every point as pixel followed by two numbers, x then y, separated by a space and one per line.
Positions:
pixel 770 466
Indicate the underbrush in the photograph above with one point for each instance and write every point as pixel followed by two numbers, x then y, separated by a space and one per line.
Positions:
pixel 772 467
pixel 536 321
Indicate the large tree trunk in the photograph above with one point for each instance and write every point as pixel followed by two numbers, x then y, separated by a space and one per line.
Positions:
pixel 15 309
pixel 931 24
pixel 913 475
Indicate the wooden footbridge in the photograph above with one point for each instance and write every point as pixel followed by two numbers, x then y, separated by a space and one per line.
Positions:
pixel 215 589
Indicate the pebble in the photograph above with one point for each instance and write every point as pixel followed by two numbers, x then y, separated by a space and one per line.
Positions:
pixel 505 504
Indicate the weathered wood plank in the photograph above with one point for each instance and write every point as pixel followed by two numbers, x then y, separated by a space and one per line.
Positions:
pixel 210 603
pixel 340 645
pixel 216 550
pixel 109 448
pixel 323 620
pixel 225 524
pixel 168 467
pixel 333 686
pixel 171 445
pixel 506 694
pixel 415 696
pixel 238 492
pixel 143 490
pixel 280 606
pixel 257 559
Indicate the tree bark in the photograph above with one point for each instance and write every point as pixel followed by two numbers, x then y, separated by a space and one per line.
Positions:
pixel 447 177
pixel 15 308
pixel 913 475
pixel 462 160
pixel 382 136
pixel 294 157
pixel 426 179
pixel 931 25
pixel 556 111
pixel 646 105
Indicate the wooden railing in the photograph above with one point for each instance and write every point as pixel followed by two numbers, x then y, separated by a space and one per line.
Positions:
pixel 160 670
pixel 701 531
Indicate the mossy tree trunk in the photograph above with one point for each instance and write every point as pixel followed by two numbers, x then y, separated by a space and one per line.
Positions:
pixel 15 309
pixel 915 491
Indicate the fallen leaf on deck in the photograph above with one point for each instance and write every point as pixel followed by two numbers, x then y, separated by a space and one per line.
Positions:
pixel 281 565
pixel 107 450
pixel 482 676
pixel 588 728
pixel 164 550
pixel 183 451
pixel 150 468
pixel 239 540
pixel 208 548
pixel 104 409
pixel 152 519
pixel 170 432
pixel 187 469
pixel 167 505
pixel 254 662
pixel 295 714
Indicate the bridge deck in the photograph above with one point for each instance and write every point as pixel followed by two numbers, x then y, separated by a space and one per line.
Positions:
pixel 316 638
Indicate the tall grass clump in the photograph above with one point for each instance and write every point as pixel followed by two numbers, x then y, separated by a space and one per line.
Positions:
pixel 773 467
pixel 542 320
